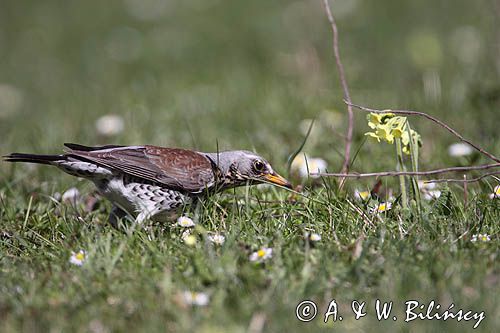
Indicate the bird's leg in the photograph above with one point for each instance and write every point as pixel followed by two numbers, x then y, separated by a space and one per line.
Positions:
pixel 141 217
pixel 144 215
pixel 198 206
pixel 148 227
pixel 116 215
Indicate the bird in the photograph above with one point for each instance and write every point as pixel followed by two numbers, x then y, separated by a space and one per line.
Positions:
pixel 152 182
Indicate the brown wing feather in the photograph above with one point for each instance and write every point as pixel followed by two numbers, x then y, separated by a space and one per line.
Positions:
pixel 179 169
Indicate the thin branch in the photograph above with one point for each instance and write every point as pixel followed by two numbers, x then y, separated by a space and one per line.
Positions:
pixel 472 180
pixel 345 88
pixel 409 173
pixel 425 115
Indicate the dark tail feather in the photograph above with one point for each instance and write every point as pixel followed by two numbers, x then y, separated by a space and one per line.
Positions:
pixel 74 146
pixel 33 158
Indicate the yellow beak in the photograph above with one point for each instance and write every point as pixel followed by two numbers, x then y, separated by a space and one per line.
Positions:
pixel 278 180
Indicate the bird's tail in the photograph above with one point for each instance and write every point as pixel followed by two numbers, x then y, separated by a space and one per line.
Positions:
pixel 33 158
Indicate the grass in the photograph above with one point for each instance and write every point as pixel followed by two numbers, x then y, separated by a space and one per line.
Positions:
pixel 249 76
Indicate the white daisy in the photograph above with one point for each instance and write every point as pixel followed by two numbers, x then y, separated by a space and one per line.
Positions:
pixel 72 195
pixel 496 193
pixel 382 207
pixel 480 238
pixel 185 222
pixel 109 125
pixel 304 165
pixel 78 258
pixel 430 195
pixel 217 239
pixel 425 186
pixel 195 298
pixel 261 255
pixel 460 149
pixel 314 237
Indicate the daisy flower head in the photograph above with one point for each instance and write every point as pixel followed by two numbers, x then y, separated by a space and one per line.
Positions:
pixel 261 255
pixel 480 238
pixel 430 195
pixel 72 195
pixel 425 186
pixel 110 125
pixel 185 222
pixel 428 190
pixel 496 193
pixel 460 149
pixel 382 207
pixel 195 298
pixel 217 239
pixel 362 195
pixel 304 165
pixel 78 258
pixel 314 237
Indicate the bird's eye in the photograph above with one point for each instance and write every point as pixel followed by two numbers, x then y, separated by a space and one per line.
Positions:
pixel 259 166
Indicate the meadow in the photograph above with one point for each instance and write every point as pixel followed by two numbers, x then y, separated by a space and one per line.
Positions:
pixel 214 74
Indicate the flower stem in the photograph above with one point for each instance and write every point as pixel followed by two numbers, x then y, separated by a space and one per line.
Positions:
pixel 414 154
pixel 401 167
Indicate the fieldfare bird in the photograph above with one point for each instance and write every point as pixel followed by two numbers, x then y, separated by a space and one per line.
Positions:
pixel 151 181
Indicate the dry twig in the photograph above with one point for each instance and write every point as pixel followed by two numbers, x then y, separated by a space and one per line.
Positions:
pixel 345 88
pixel 410 173
pixel 471 180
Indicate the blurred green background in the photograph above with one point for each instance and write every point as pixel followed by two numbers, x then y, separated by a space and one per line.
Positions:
pixel 245 74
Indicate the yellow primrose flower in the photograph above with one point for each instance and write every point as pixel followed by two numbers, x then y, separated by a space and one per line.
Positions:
pixel 373 135
pixel 405 140
pixel 387 127
pixel 384 132
pixel 375 119
pixel 397 132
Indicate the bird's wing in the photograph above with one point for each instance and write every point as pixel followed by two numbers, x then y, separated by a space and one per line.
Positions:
pixel 175 168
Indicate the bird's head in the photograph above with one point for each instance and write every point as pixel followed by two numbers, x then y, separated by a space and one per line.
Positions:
pixel 240 167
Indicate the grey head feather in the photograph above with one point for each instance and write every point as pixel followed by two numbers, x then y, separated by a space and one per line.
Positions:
pixel 239 167
pixel 242 160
